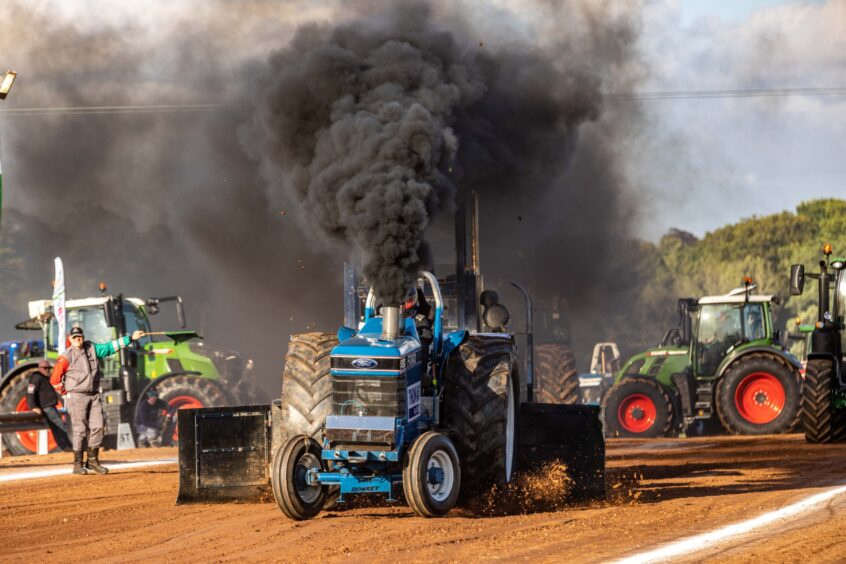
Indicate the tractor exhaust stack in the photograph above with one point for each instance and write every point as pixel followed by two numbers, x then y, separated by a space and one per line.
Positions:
pixel 390 322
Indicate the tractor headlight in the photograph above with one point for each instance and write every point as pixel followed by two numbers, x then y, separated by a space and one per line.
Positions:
pixel 838 264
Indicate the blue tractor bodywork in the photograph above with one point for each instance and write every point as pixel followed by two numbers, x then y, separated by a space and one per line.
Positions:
pixel 381 404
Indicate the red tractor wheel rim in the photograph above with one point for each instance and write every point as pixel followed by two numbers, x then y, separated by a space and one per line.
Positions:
pixel 29 439
pixel 759 397
pixel 183 402
pixel 637 413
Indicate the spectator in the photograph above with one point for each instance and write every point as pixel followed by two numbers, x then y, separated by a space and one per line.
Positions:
pixel 42 398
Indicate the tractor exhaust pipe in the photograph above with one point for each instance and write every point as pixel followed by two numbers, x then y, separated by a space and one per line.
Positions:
pixel 390 322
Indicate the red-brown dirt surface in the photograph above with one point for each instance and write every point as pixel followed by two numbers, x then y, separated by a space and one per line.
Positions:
pixel 659 491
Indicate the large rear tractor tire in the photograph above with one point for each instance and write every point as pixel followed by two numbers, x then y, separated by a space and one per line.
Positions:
pixel 759 394
pixel 13 399
pixel 823 423
pixel 296 498
pixel 189 392
pixel 639 407
pixel 431 477
pixel 555 377
pixel 481 398
pixel 307 383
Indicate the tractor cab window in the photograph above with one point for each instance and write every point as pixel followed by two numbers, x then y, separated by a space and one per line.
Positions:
pixel 135 319
pixel 753 322
pixel 92 320
pixel 719 329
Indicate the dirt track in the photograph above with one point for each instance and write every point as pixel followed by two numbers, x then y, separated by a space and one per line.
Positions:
pixel 659 491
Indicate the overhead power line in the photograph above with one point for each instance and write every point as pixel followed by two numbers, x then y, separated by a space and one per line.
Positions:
pixel 733 93
pixel 100 110
pixel 613 96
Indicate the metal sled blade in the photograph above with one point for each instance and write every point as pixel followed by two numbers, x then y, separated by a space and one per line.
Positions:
pixel 224 454
pixel 571 434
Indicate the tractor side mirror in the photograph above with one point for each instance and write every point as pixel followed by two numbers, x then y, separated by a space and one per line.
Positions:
pixel 109 313
pixel 180 312
pixel 496 317
pixel 797 279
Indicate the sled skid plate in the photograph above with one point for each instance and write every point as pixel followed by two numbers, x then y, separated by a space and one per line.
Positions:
pixel 224 454
pixel 571 434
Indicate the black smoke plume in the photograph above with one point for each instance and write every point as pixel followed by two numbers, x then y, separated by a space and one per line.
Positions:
pixel 365 126
pixel 370 124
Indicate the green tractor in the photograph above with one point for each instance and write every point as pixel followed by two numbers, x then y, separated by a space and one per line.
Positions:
pixel 184 372
pixel 824 392
pixel 723 367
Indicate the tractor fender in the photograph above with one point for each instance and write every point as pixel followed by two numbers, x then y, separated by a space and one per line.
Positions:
pixel 13 373
pixel 787 358
pixel 168 376
pixel 451 342
pixel 345 333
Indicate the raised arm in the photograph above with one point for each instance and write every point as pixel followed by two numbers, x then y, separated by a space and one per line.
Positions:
pixel 107 349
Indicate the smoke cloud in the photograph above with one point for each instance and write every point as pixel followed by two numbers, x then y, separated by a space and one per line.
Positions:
pixel 370 125
pixel 357 131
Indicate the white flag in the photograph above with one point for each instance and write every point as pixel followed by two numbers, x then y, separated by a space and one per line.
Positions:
pixel 59 304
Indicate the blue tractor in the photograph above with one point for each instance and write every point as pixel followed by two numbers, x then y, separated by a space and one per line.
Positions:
pixel 388 433
pixel 379 408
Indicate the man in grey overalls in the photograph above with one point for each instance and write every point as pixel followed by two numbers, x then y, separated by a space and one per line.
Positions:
pixel 77 373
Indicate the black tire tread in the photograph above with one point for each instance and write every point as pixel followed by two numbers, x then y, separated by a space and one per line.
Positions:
pixel 476 380
pixel 556 379
pixel 307 383
pixel 207 391
pixel 823 424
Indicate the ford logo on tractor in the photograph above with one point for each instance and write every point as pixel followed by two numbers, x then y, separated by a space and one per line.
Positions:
pixel 364 363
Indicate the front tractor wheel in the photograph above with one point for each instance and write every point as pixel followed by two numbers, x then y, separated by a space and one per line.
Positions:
pixel 298 497
pixel 822 422
pixel 189 392
pixel 759 394
pixel 431 477
pixel 639 407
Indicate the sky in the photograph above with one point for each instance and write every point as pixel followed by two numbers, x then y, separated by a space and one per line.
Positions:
pixel 735 158
pixel 699 163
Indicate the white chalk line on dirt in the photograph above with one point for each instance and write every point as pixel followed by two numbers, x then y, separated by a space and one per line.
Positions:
pixel 705 540
pixel 68 470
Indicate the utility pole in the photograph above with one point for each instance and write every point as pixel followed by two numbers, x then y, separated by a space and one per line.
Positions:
pixel 6 81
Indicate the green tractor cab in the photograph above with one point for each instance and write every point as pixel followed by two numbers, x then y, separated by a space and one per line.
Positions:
pixel 177 364
pixel 722 367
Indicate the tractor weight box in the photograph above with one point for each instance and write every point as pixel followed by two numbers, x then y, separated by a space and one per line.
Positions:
pixel 224 453
pixel 570 434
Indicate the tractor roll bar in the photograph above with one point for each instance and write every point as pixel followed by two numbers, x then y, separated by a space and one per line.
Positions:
pixel 370 307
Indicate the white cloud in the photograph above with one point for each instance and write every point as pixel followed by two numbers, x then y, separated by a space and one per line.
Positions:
pixel 791 146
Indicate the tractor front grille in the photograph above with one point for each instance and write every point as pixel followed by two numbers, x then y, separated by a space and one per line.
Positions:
pixel 368 395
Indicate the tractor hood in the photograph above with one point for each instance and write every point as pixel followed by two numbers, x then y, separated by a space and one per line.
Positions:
pixel 368 354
